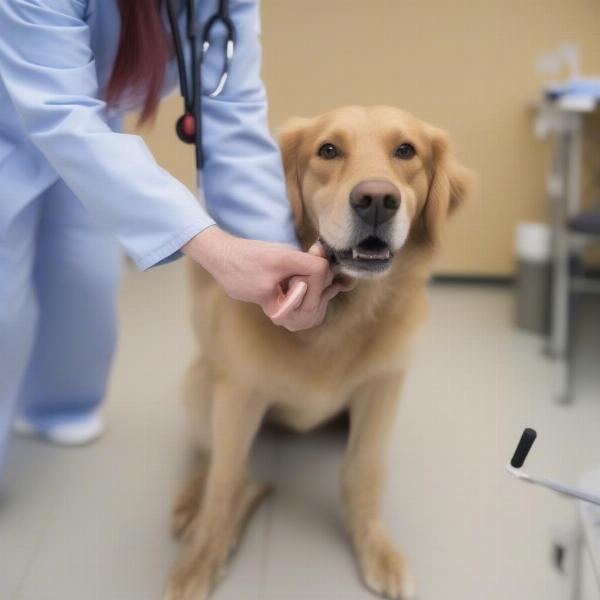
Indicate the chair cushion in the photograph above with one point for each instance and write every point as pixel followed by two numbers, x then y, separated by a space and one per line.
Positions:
pixel 587 222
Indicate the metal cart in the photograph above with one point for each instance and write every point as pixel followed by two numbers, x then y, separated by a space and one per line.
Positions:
pixel 560 118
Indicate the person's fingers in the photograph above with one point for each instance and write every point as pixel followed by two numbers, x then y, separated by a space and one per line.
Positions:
pixel 304 319
pixel 290 321
pixel 311 304
pixel 307 306
pixel 316 285
pixel 304 311
pixel 331 292
pixel 346 282
pixel 315 317
pixel 301 263
pixel 317 249
pixel 290 301
pixel 296 320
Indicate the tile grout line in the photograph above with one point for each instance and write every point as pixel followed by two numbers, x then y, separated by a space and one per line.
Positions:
pixel 36 548
pixel 268 526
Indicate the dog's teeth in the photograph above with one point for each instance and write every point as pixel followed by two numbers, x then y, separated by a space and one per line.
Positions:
pixel 370 254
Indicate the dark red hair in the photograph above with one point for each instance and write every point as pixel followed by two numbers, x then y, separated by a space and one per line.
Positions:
pixel 142 56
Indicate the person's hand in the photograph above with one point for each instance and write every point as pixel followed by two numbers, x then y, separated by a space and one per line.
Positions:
pixel 292 287
pixel 293 318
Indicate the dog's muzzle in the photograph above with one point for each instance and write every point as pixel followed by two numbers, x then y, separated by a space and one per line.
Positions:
pixel 374 203
pixel 371 256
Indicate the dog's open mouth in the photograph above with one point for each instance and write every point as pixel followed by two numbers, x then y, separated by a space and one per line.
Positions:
pixel 371 255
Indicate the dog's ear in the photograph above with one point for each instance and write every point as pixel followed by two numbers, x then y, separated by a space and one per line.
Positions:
pixel 290 136
pixel 450 183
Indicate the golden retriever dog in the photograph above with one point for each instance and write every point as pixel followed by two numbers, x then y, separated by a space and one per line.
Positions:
pixel 375 185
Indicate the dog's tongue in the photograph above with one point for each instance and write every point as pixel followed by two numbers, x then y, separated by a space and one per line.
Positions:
pixel 371 253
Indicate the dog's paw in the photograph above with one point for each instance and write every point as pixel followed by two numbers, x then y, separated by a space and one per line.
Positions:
pixel 193 589
pixel 385 570
pixel 194 575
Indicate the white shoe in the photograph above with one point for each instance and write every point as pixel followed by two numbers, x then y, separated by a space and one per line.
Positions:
pixel 76 433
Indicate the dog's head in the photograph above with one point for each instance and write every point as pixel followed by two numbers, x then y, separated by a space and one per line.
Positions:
pixel 367 181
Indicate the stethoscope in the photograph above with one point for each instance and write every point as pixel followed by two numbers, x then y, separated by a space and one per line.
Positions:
pixel 189 125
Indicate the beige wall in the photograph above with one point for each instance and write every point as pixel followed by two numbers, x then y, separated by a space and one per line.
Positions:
pixel 466 66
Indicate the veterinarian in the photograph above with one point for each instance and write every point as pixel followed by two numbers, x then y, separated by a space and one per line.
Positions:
pixel 72 186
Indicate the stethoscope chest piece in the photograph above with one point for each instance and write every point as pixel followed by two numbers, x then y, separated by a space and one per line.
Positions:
pixel 186 128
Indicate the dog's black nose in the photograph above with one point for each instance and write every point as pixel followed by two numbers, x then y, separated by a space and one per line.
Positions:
pixel 375 201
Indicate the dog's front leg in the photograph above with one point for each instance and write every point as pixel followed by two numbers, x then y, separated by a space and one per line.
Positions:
pixel 227 498
pixel 372 411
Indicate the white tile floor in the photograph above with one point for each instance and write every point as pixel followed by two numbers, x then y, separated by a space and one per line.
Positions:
pixel 92 523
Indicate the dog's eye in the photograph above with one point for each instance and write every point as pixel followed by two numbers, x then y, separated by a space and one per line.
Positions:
pixel 405 151
pixel 328 151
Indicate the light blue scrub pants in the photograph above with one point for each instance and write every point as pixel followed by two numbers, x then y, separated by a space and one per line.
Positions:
pixel 59 275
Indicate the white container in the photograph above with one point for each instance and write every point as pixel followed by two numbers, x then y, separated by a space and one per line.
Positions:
pixel 533 250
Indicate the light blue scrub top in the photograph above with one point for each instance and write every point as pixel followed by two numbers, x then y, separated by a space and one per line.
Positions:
pixel 56 57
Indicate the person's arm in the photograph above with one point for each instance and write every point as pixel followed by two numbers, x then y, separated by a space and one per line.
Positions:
pixel 244 183
pixel 48 69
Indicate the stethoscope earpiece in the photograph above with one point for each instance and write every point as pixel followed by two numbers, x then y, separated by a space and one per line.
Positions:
pixel 186 128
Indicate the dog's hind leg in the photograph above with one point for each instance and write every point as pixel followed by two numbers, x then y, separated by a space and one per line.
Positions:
pixel 372 409
pixel 227 498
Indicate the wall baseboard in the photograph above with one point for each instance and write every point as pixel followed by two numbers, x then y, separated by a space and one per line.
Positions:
pixel 487 280
pixel 592 273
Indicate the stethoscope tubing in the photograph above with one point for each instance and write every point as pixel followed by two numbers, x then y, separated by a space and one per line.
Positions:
pixel 193 98
pixel 221 17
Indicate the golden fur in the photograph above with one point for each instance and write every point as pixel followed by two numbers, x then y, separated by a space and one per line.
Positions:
pixel 249 369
